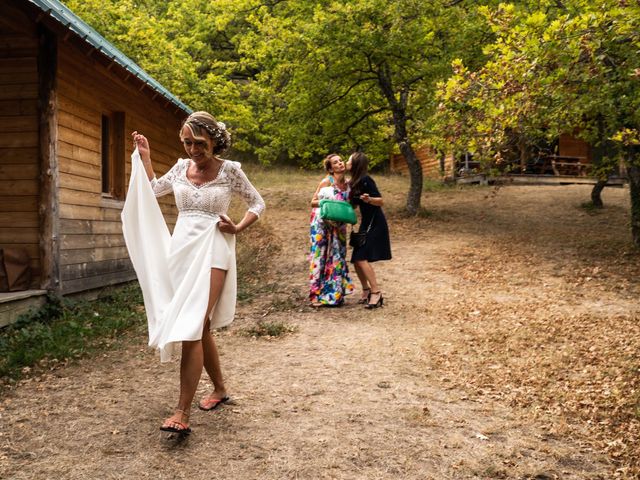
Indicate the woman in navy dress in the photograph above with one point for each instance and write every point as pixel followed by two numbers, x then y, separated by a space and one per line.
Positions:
pixel 365 195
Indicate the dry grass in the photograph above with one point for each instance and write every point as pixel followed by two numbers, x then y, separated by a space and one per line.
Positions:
pixel 546 314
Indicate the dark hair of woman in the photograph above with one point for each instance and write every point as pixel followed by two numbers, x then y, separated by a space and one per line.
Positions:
pixel 359 168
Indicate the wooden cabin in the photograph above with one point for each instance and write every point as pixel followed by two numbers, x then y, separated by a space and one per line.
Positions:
pixel 573 159
pixel 68 103
pixel 434 166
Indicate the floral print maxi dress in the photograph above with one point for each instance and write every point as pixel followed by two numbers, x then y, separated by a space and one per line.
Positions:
pixel 329 279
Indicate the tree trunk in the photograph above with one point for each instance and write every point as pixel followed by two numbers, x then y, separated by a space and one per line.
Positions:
pixel 596 159
pixel 633 172
pixel 398 107
pixel 523 150
pixel 596 193
pixel 415 174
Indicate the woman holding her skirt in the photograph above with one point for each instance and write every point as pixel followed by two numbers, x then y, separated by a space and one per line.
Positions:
pixel 188 279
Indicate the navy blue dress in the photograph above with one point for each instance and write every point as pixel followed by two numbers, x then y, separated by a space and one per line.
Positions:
pixel 377 247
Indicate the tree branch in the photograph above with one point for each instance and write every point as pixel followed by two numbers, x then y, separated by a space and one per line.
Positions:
pixel 384 81
pixel 343 95
pixel 362 117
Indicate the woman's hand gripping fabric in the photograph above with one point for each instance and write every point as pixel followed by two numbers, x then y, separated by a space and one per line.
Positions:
pixel 226 225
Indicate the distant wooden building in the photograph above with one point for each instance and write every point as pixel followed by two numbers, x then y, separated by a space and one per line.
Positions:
pixel 570 146
pixel 573 158
pixel 68 102
pixel 434 166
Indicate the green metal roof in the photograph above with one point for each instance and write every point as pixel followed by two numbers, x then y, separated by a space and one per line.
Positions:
pixel 61 14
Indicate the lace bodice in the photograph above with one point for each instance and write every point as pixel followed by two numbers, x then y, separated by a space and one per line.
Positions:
pixel 210 198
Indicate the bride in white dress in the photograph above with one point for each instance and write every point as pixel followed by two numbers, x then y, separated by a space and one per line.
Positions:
pixel 188 279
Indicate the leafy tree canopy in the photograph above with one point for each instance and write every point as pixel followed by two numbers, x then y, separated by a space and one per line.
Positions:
pixel 186 45
pixel 551 70
pixel 334 75
pixel 297 79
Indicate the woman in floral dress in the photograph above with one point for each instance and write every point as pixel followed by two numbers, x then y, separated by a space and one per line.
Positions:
pixel 329 279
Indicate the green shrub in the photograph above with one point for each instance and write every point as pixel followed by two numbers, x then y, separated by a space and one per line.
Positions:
pixel 64 329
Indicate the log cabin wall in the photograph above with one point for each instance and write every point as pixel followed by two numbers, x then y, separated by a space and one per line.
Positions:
pixel 570 146
pixel 430 161
pixel 19 153
pixel 92 250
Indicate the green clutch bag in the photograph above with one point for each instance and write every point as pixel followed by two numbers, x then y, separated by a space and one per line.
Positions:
pixel 337 211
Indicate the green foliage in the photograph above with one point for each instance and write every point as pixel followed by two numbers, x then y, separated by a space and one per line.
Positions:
pixel 552 69
pixel 295 80
pixel 569 67
pixel 336 75
pixel 63 330
pixel 184 46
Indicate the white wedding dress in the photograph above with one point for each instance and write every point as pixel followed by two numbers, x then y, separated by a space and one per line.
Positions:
pixel 174 270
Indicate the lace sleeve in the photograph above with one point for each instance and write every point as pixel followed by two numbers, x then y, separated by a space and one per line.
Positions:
pixel 241 185
pixel 164 184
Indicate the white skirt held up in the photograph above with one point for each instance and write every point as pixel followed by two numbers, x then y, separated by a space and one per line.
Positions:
pixel 175 271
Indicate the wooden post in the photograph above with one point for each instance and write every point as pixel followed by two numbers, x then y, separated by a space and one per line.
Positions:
pixel 48 208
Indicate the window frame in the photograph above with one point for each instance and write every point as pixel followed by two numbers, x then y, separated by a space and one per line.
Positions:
pixel 112 154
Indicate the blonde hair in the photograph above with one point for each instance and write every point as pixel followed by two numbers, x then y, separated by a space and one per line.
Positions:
pixel 202 125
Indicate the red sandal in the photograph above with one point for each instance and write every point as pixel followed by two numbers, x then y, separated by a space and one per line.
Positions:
pixel 210 403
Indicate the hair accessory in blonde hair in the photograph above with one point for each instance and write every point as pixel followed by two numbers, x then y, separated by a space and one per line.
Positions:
pixel 217 131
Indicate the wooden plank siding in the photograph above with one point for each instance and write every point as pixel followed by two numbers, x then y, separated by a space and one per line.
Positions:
pixel 54 91
pixel 92 249
pixel 429 161
pixel 19 160
pixel 571 146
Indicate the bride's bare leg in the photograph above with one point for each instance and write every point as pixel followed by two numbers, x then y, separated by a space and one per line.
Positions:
pixel 211 357
pixel 190 371
pixel 193 358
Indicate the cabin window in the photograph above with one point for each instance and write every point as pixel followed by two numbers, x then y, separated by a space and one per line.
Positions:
pixel 113 155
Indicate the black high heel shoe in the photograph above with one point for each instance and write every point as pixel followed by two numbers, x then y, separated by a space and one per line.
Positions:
pixel 365 300
pixel 379 303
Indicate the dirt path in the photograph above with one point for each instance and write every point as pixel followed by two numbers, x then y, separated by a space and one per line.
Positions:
pixel 352 394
